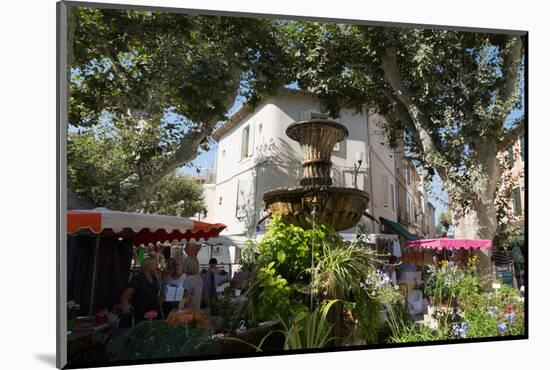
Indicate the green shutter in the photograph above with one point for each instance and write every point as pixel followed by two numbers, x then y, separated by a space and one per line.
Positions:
pixel 522 147
pixel 511 157
pixel 517 201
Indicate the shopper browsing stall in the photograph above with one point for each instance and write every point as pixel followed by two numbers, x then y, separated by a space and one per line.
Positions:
pixel 192 284
pixel 142 292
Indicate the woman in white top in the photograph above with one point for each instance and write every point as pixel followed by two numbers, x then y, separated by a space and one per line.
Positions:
pixel 176 278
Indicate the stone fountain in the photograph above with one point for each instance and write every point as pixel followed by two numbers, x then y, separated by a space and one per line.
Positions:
pixel 315 197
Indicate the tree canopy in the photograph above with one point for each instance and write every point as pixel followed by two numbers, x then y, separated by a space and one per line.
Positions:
pixel 445 95
pixel 168 79
pixel 103 168
pixel 179 72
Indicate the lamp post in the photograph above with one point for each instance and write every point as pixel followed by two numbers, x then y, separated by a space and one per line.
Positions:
pixel 356 166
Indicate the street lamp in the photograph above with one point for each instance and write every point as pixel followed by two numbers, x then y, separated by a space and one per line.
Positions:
pixel 356 166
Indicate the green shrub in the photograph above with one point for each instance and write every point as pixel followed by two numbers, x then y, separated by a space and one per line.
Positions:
pixel 156 339
pixel 495 313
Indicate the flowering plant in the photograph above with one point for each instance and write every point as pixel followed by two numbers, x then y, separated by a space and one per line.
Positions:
pixel 190 316
pixel 494 313
pixel 150 315
pixel 444 282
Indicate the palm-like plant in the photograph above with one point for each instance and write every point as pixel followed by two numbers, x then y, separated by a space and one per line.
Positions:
pixel 341 270
pixel 309 329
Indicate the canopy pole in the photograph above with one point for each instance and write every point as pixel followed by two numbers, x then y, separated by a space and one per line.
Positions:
pixel 94 273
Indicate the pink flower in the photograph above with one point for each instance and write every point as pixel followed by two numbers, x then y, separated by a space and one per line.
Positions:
pixel 150 315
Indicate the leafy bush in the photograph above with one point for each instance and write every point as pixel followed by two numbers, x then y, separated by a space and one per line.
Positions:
pixel 367 313
pixel 156 339
pixel 444 282
pixel 494 313
pixel 275 295
pixel 410 333
pixel 308 329
pixel 288 247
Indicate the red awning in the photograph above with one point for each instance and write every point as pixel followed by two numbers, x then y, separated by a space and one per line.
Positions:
pixel 446 243
pixel 144 228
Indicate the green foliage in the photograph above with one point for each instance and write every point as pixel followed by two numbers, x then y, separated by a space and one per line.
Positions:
pixel 308 329
pixel 367 314
pixel 494 313
pixel 147 73
pixel 178 195
pixel 471 283
pixel 445 219
pixel 444 283
pixel 341 269
pixel 105 165
pixel 288 247
pixel 445 95
pixel 510 238
pixel 411 333
pixel 275 294
pixel 155 339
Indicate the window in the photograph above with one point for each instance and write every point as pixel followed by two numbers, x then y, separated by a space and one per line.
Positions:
pixel 245 142
pixel 522 147
pixel 397 197
pixel 392 195
pixel 260 126
pixel 511 157
pixel 220 201
pixel 407 175
pixel 223 153
pixel 517 201
pixel 240 208
pixel 385 186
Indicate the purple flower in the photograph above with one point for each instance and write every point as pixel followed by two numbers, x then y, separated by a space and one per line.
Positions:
pixel 511 317
pixel 461 331
pixel 502 327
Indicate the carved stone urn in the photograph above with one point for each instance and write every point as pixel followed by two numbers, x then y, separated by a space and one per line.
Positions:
pixel 340 207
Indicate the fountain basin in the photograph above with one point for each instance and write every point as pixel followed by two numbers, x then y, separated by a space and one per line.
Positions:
pixel 340 207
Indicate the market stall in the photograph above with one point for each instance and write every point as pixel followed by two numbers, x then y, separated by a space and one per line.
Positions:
pixel 93 233
pixel 443 248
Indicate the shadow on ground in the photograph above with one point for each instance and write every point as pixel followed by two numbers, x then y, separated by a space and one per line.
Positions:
pixel 47 358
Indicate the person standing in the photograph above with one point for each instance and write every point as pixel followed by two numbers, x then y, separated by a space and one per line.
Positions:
pixel 176 278
pixel 192 284
pixel 143 292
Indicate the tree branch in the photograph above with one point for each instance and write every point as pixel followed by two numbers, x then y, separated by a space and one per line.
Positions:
pixel 401 113
pixel 510 71
pixel 420 121
pixel 512 135
pixel 188 146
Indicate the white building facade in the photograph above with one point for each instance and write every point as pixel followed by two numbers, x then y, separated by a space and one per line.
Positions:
pixel 255 155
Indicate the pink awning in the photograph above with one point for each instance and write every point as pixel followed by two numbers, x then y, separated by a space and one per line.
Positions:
pixel 446 243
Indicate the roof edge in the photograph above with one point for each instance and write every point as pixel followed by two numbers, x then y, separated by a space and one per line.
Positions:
pixel 246 109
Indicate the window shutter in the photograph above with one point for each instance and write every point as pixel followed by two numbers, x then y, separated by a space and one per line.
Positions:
pixel 244 142
pixel 385 190
pixel 522 147
pixel 392 194
pixel 517 201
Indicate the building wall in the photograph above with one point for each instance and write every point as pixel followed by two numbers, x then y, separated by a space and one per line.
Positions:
pixel 274 161
pixel 515 169
pixel 383 202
